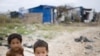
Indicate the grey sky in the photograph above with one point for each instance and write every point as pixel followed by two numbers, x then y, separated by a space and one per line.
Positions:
pixel 6 5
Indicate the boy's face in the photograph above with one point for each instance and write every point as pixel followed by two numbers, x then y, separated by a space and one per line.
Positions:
pixel 15 44
pixel 41 51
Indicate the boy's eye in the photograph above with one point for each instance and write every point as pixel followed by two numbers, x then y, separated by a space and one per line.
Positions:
pixel 17 42
pixel 13 43
pixel 43 52
pixel 38 53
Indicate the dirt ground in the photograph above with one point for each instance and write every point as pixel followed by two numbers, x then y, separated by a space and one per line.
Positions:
pixel 65 45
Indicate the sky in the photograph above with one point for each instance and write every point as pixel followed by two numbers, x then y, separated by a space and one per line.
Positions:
pixel 13 5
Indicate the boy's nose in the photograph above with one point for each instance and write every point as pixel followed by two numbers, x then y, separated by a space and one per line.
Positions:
pixel 16 45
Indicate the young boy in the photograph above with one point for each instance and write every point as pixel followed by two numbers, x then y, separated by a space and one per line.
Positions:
pixel 14 42
pixel 40 48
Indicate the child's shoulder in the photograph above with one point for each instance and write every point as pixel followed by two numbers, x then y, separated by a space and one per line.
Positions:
pixel 8 53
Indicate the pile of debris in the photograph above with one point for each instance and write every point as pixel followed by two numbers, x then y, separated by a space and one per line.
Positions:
pixel 83 39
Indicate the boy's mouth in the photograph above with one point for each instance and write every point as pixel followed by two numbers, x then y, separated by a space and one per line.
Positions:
pixel 16 49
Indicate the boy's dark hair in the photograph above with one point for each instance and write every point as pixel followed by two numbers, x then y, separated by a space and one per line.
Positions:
pixel 40 43
pixel 13 36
